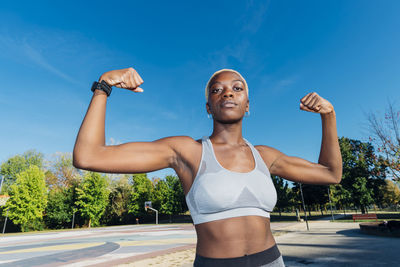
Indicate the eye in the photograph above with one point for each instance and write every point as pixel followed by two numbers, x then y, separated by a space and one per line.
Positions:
pixel 237 88
pixel 215 90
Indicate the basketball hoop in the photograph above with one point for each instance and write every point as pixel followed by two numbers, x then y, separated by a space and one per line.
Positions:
pixel 3 199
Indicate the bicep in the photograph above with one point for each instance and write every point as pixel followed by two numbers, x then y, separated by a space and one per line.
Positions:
pixel 133 157
pixel 297 169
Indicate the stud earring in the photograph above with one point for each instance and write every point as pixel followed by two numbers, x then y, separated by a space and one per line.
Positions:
pixel 247 114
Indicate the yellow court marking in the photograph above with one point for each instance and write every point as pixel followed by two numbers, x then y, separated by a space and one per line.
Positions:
pixel 55 248
pixel 157 242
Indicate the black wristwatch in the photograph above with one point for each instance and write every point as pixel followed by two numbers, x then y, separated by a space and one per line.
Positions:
pixel 102 86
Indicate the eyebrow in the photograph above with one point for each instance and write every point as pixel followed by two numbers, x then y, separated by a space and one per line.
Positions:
pixel 232 82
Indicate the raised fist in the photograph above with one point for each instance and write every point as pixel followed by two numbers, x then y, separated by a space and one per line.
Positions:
pixel 125 78
pixel 314 103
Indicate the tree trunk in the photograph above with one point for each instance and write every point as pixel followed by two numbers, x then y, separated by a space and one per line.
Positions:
pixel 90 222
pixel 362 209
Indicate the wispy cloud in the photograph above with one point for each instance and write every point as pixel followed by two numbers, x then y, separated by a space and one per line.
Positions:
pixel 254 15
pixel 52 50
pixel 37 57
pixel 112 142
pixel 240 51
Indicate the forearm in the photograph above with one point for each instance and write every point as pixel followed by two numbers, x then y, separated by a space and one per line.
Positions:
pixel 91 135
pixel 330 156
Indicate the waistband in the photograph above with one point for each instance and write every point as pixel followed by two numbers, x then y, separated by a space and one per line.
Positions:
pixel 256 259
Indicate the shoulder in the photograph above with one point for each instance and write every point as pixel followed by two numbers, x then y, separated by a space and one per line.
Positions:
pixel 268 154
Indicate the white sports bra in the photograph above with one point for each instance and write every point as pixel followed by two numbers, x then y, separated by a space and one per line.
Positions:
pixel 218 193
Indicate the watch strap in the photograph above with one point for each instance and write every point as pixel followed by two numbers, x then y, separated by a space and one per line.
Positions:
pixel 102 85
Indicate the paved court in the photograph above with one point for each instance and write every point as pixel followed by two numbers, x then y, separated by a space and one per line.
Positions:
pixel 326 244
pixel 336 244
pixel 94 247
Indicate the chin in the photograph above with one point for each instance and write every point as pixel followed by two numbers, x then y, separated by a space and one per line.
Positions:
pixel 228 120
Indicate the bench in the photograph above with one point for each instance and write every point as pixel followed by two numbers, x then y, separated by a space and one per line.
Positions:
pixel 364 217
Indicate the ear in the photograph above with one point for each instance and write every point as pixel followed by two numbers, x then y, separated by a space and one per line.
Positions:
pixel 208 108
pixel 248 106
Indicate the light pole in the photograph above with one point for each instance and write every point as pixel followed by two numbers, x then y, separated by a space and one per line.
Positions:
pixel 1 184
pixel 330 204
pixel 304 207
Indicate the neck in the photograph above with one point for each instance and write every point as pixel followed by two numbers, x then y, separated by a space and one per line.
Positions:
pixel 227 133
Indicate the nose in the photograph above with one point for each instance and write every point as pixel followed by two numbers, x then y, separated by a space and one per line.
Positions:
pixel 228 92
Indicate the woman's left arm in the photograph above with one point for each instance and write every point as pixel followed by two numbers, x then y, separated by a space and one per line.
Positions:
pixel 328 170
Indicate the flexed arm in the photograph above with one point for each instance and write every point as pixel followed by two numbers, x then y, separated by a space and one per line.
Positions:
pixel 328 170
pixel 91 152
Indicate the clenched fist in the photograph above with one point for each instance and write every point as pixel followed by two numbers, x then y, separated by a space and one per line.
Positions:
pixel 125 78
pixel 314 103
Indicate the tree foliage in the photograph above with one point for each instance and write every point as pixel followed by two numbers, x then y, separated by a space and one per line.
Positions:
pixel 362 171
pixel 92 197
pixel 314 196
pixel 28 199
pixel 142 191
pixel 118 201
pixel 61 172
pixel 391 195
pixel 19 163
pixel 59 208
pixel 284 194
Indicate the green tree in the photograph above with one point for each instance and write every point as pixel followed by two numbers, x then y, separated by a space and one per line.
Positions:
pixel 315 196
pixel 340 196
pixel 28 199
pixel 16 164
pixel 177 196
pixel 391 194
pixel 284 193
pixel 117 208
pixel 363 171
pixel 142 191
pixel 92 197
pixel 161 197
pixel 61 172
pixel 59 210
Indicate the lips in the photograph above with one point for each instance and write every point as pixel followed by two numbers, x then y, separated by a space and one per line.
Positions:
pixel 228 104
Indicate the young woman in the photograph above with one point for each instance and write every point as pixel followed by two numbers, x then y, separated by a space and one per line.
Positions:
pixel 226 180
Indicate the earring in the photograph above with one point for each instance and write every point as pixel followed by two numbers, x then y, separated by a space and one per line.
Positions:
pixel 247 114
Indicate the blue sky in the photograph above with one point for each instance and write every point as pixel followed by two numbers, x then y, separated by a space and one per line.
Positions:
pixel 51 52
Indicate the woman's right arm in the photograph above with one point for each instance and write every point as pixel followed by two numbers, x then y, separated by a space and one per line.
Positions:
pixel 90 150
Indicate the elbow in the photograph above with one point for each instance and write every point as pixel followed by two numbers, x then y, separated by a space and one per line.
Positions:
pixel 77 162
pixel 337 180
pixel 80 161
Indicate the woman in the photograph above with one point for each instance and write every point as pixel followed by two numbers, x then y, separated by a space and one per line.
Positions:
pixel 232 193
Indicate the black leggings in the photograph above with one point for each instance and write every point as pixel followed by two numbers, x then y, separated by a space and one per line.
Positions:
pixel 270 256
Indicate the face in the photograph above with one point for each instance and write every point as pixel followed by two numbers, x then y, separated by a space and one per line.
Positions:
pixel 227 98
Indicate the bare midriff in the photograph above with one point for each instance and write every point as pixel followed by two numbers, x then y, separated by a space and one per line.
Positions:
pixel 234 237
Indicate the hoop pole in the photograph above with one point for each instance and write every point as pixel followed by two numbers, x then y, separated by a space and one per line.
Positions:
pixel 156 213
